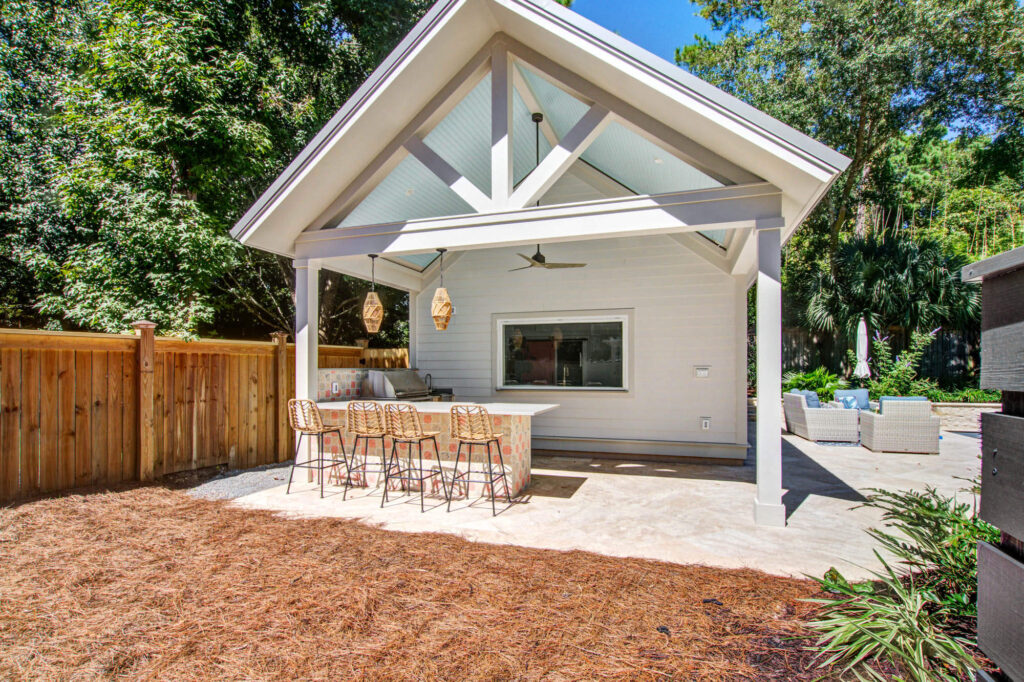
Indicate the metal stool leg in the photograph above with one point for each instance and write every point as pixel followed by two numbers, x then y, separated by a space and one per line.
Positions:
pixel 490 476
pixel 320 461
pixel 455 475
pixel 504 476
pixel 440 469
pixel 295 460
pixel 387 471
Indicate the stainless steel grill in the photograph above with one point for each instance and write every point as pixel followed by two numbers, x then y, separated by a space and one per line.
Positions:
pixel 395 384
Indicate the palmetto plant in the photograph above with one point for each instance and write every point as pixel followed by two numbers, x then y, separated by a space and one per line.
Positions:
pixel 891 281
pixel 820 380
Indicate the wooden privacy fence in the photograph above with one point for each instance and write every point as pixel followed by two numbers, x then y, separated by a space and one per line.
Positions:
pixel 97 409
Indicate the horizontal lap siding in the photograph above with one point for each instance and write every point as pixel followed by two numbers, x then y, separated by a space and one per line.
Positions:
pixel 684 314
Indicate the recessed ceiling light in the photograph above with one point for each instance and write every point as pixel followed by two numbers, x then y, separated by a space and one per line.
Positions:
pixel 658 160
pixel 409 192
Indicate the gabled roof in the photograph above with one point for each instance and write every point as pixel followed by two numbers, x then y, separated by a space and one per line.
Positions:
pixel 448 37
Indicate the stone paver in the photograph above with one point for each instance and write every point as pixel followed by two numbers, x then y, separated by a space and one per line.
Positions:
pixel 684 513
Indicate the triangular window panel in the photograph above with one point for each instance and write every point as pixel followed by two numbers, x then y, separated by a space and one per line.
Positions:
pixel 642 166
pixel 562 109
pixel 409 192
pixel 463 137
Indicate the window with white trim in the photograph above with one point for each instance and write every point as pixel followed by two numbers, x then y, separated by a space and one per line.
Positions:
pixel 563 353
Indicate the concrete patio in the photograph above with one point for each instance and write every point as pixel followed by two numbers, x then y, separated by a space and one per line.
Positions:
pixel 686 513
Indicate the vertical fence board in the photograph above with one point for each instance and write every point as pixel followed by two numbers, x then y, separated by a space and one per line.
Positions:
pixel 179 462
pixel 29 422
pixel 66 419
pixel 262 380
pixel 130 417
pixel 159 412
pixel 253 437
pixel 99 417
pixel 83 418
pixel 10 422
pixel 115 413
pixel 49 453
pixel 167 454
pixel 233 411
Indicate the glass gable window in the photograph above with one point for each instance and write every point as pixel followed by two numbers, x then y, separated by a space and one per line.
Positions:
pixel 573 353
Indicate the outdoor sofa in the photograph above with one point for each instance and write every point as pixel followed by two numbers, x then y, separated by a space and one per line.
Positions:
pixel 901 425
pixel 814 422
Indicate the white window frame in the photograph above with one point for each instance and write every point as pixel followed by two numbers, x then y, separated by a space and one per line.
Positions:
pixel 500 321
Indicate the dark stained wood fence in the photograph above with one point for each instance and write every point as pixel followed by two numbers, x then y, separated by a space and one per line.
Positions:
pixel 71 412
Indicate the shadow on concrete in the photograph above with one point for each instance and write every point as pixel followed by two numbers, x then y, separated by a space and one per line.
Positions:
pixel 554 485
pixel 802 476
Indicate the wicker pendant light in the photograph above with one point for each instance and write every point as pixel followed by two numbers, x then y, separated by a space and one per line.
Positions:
pixel 373 309
pixel 441 305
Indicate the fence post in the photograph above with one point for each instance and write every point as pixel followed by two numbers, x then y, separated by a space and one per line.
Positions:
pixel 147 437
pixel 281 434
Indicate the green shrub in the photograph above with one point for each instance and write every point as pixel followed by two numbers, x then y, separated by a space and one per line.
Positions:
pixel 896 373
pixel 964 395
pixel 823 382
pixel 910 617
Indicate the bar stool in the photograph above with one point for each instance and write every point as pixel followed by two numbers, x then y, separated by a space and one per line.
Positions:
pixel 304 418
pixel 365 420
pixel 403 426
pixel 471 425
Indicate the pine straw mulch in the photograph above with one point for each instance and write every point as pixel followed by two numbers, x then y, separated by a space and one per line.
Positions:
pixel 147 582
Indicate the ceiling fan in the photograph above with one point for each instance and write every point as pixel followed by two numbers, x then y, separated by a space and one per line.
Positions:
pixel 538 260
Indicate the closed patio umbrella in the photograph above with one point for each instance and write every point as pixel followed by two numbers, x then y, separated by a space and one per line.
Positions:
pixel 862 370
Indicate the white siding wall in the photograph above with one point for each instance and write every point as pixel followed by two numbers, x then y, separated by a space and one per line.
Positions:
pixel 685 312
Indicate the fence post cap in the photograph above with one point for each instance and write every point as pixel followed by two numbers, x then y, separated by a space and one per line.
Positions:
pixel 278 336
pixel 143 324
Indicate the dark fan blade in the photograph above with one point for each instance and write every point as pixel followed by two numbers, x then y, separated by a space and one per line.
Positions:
pixel 525 267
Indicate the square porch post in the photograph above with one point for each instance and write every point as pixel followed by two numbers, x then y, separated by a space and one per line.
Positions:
pixel 307 325
pixel 768 507
pixel 307 341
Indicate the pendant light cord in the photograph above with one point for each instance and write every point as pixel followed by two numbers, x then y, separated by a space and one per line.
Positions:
pixel 373 272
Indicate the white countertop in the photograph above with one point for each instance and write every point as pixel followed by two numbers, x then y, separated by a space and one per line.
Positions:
pixel 499 409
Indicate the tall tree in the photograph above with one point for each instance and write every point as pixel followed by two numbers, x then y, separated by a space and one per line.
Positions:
pixel 856 74
pixel 176 113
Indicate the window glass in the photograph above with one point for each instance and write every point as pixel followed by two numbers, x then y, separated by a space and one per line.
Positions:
pixel 563 354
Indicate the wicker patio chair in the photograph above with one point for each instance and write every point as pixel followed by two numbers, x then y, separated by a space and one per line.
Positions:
pixel 366 421
pixel 901 426
pixel 304 418
pixel 819 423
pixel 471 426
pixel 403 426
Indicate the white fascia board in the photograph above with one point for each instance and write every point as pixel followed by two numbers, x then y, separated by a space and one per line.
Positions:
pixel 732 207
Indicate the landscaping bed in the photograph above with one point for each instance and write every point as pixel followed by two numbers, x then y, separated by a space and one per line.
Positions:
pixel 151 582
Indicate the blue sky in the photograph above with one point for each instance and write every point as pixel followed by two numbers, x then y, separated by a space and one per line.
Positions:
pixel 656 25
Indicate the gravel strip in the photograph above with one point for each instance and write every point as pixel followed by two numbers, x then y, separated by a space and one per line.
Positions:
pixel 238 483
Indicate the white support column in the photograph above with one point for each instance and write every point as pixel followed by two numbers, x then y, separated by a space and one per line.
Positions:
pixel 768 507
pixel 501 126
pixel 307 324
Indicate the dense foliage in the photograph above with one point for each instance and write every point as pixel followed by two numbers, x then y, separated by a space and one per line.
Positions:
pixel 913 616
pixel 926 98
pixel 135 133
pixel 896 373
pixel 819 380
